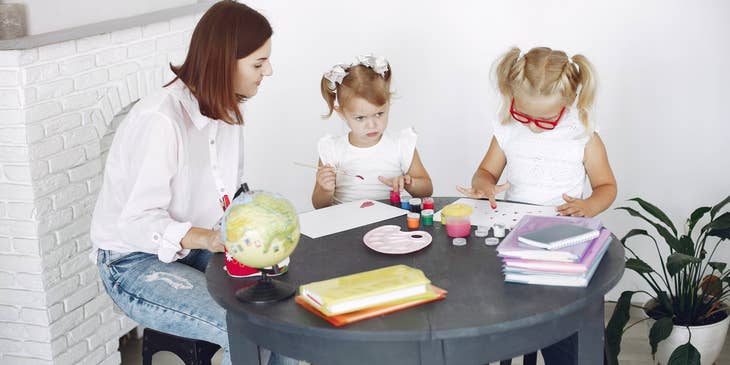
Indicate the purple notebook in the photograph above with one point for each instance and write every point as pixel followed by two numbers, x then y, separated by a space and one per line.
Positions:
pixel 594 252
pixel 510 246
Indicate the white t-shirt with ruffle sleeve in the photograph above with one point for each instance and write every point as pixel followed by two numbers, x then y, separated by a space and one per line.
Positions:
pixel 391 156
pixel 542 166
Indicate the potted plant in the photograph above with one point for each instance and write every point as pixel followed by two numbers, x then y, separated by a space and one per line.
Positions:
pixel 688 292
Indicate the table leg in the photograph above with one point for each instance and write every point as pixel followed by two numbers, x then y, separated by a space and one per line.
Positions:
pixel 431 353
pixel 590 336
pixel 243 351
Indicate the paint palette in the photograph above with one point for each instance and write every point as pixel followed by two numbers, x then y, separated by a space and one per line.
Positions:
pixel 391 240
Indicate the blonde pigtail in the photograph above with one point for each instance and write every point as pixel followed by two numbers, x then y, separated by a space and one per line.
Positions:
pixel 586 75
pixel 329 97
pixel 505 77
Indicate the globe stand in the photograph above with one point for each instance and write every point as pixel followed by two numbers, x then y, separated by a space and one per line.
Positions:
pixel 266 290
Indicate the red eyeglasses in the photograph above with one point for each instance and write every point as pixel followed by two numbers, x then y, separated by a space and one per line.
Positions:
pixel 544 124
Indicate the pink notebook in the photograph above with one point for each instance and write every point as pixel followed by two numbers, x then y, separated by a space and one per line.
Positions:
pixel 595 250
pixel 511 247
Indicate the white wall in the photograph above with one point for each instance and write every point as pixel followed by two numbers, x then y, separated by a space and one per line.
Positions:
pixel 50 15
pixel 661 108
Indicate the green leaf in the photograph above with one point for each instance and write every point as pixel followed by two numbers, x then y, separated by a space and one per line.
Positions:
pixel 720 223
pixel 719 206
pixel 668 237
pixel 695 217
pixel 656 212
pixel 635 232
pixel 661 329
pixel 639 266
pixel 685 355
pixel 685 245
pixel 615 327
pixel 722 233
pixel 719 266
pixel 678 261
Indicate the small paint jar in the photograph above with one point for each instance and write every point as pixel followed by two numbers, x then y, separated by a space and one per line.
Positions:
pixel 415 205
pixel 404 201
pixel 413 220
pixel 395 198
pixel 427 217
pixel 427 203
pixel 499 230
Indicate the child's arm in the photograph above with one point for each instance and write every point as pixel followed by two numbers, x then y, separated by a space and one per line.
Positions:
pixel 324 187
pixel 484 183
pixel 416 181
pixel 420 182
pixel 602 181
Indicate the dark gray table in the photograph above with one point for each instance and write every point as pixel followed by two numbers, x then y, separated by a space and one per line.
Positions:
pixel 482 319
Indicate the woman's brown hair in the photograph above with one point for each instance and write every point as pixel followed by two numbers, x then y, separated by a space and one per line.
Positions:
pixel 228 31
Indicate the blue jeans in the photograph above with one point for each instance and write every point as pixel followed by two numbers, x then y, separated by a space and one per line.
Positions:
pixel 172 298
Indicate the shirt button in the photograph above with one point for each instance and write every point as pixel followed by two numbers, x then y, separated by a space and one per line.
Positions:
pixel 155 237
pixel 212 141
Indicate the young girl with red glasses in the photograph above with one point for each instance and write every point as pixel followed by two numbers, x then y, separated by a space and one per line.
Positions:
pixel 545 142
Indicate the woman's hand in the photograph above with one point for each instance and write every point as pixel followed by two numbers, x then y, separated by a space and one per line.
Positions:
pixel 575 207
pixel 326 177
pixel 488 193
pixel 203 239
pixel 397 183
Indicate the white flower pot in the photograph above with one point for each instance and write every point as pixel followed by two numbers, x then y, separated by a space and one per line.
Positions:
pixel 708 340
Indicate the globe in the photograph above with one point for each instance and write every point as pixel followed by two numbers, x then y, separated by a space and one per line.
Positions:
pixel 260 229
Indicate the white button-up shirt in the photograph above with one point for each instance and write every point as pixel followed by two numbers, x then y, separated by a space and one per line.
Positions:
pixel 167 169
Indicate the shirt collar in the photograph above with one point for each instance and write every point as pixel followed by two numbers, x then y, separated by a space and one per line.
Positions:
pixel 181 92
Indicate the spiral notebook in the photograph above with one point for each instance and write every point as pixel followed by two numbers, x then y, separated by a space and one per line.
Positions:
pixel 558 236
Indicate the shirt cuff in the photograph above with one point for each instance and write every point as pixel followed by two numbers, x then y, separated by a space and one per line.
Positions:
pixel 170 248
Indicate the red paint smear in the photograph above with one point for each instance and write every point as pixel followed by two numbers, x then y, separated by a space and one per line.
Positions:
pixel 360 177
pixel 366 204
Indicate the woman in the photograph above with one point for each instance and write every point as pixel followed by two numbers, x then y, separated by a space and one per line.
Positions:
pixel 176 156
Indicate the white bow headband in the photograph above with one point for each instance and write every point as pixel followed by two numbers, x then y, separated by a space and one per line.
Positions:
pixel 338 72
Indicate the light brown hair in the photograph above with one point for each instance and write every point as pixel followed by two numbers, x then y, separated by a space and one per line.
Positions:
pixel 544 71
pixel 362 82
pixel 227 32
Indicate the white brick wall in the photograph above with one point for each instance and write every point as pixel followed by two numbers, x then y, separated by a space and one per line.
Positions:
pixel 58 104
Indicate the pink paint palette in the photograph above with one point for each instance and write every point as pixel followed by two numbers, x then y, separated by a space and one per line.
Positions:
pixel 391 240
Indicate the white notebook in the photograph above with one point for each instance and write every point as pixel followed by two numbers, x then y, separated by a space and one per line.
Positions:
pixel 558 236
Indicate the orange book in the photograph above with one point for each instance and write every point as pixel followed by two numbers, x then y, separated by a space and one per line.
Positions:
pixel 347 318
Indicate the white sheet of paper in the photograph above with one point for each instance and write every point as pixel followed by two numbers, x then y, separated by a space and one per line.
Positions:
pixel 341 217
pixel 506 214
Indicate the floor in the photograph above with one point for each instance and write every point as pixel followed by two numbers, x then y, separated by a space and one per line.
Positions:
pixel 634 350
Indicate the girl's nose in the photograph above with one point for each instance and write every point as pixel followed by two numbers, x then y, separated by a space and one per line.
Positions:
pixel 268 69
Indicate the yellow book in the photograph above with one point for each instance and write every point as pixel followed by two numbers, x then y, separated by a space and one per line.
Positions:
pixel 366 289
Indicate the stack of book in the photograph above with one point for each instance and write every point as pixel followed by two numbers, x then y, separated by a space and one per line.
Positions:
pixel 355 297
pixel 561 251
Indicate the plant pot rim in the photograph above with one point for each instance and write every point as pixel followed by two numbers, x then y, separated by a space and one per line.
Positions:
pixel 651 303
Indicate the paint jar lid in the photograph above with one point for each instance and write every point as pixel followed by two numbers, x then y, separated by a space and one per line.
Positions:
pixel 427 212
pixel 479 233
pixel 415 201
pixel 491 241
pixel 460 241
pixel 413 215
pixel 457 210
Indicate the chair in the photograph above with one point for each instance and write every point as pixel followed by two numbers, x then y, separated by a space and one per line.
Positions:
pixel 190 351
pixel 529 359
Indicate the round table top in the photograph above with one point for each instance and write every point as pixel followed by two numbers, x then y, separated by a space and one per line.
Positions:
pixel 479 301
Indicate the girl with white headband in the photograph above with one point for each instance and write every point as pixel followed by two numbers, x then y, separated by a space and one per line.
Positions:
pixel 366 163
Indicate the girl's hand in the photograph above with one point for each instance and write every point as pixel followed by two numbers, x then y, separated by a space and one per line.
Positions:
pixel 487 193
pixel 397 183
pixel 326 177
pixel 575 207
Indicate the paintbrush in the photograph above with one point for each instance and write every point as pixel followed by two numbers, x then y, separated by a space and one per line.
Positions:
pixel 339 172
